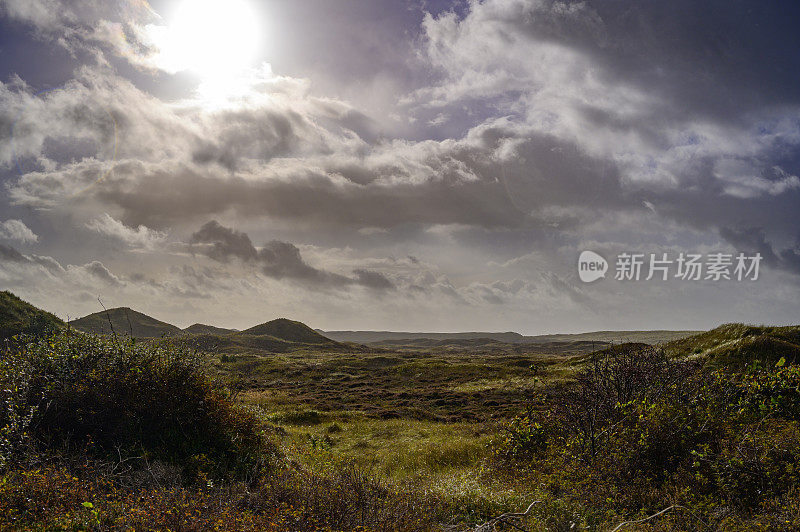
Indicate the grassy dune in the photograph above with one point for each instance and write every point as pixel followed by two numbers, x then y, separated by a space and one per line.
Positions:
pixel 20 317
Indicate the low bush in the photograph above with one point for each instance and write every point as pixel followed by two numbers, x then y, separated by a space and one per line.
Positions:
pixel 630 437
pixel 102 435
pixel 81 394
pixel 579 412
pixel 348 498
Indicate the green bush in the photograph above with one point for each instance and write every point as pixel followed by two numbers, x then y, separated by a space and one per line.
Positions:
pixel 84 394
pixel 577 413
pixel 629 437
pixel 757 464
pixel 770 390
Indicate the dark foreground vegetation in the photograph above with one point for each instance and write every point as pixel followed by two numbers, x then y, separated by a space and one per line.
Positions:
pixel 638 432
pixel 102 433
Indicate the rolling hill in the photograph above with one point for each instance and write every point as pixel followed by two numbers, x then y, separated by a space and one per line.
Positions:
pixel 127 322
pixel 287 330
pixel 614 337
pixel 201 328
pixel 18 316
pixel 280 335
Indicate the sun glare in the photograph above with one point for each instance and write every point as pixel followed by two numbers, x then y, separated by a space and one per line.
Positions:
pixel 214 38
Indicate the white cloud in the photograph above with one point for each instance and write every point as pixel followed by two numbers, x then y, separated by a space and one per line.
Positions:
pixel 17 230
pixel 138 238
pixel 532 126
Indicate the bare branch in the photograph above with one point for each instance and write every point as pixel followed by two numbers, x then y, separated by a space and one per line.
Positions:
pixel 505 518
pixel 108 317
pixel 625 523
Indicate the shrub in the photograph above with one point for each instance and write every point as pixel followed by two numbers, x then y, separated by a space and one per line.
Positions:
pixel 630 437
pixel 120 428
pixel 776 391
pixel 52 498
pixel 524 436
pixel 758 463
pixel 583 409
pixel 86 394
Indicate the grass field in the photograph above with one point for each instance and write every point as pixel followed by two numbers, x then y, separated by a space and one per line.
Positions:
pixel 215 432
pixel 444 385
pixel 424 419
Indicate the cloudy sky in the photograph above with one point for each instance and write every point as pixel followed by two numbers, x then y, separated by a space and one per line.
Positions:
pixel 399 164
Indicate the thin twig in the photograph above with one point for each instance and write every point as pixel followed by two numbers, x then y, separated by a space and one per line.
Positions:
pixel 130 327
pixel 625 523
pixel 491 523
pixel 108 317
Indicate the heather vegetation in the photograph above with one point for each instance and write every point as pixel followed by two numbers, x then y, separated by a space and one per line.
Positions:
pixel 114 433
pixel 638 431
pixel 100 434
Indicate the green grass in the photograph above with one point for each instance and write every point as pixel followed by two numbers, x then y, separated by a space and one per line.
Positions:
pixel 438 385
pixel 101 434
pixel 20 317
pixel 736 345
pixel 444 460
pixel 402 449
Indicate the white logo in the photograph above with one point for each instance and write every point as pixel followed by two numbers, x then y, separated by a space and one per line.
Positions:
pixel 591 266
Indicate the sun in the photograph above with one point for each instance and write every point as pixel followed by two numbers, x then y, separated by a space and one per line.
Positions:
pixel 213 38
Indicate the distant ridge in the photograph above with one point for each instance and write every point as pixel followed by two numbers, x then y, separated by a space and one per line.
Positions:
pixel 201 328
pixel 392 337
pixel 658 336
pixel 366 337
pixel 125 322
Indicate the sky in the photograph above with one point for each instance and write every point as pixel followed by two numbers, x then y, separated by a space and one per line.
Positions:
pixel 411 165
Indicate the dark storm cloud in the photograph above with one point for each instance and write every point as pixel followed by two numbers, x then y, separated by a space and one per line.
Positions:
pixel 690 106
pixel 753 240
pixel 521 130
pixel 276 259
pixel 501 175
pixel 226 243
pixel 282 260
pixel 750 240
pixel 260 135
pixel 504 171
pixel 373 279
pixel 713 57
